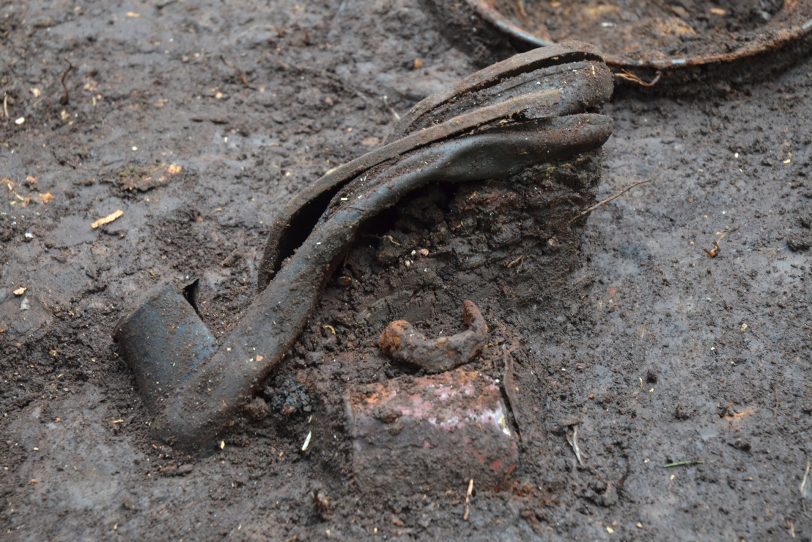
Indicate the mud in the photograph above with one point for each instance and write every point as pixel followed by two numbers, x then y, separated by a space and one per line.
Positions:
pixel 618 324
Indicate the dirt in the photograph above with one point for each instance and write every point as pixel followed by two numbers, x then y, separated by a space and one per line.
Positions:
pixel 615 331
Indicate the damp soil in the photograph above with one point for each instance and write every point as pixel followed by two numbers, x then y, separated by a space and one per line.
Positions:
pixel 200 120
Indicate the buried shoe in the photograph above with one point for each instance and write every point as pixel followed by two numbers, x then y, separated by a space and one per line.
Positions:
pixel 531 109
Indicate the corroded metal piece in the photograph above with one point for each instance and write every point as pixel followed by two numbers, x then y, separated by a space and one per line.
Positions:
pixel 401 341
pixel 435 433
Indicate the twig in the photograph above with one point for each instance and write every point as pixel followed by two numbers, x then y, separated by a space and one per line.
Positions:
pixel 329 76
pixel 806 476
pixel 714 250
pixel 607 200
pixel 112 217
pixel 389 107
pixel 5 105
pixel 686 463
pixel 572 439
pixel 515 262
pixel 468 499
pixel 65 97
pixel 392 240
pixel 240 74
pixel 306 444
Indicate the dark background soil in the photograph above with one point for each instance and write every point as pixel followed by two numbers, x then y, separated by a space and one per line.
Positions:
pixel 622 327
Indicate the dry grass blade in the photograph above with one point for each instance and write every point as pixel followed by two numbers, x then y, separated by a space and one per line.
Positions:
pixel 468 499
pixel 115 215
pixel 572 440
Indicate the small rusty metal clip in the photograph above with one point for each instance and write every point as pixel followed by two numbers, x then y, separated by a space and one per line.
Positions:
pixel 530 109
pixel 401 341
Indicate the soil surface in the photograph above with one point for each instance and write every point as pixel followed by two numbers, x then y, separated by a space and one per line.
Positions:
pixel 669 326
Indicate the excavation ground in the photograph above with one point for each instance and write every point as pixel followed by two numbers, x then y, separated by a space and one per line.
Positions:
pixel 654 352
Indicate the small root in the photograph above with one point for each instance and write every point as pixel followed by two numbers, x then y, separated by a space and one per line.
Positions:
pixel 66 95
pixel 628 76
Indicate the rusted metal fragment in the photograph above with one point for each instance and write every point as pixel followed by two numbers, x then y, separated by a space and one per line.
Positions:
pixel 431 434
pixel 401 341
